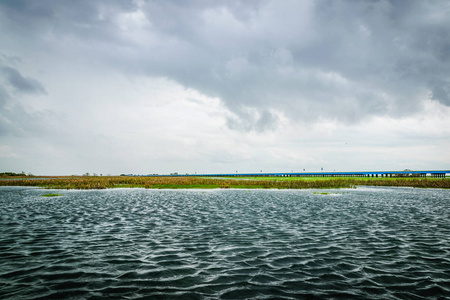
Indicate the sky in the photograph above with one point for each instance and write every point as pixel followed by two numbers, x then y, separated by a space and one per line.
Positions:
pixel 196 86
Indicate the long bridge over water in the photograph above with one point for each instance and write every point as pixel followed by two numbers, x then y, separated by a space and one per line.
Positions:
pixel 404 173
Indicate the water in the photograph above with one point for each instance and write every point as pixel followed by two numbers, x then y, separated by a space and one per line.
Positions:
pixel 374 243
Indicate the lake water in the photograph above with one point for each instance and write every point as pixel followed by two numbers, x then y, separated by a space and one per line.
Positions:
pixel 373 243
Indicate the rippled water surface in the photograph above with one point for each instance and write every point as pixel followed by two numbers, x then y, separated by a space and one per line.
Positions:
pixel 375 243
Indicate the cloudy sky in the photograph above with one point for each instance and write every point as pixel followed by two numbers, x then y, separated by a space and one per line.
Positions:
pixel 143 87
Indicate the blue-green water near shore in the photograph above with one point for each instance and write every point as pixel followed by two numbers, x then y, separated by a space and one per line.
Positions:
pixel 364 243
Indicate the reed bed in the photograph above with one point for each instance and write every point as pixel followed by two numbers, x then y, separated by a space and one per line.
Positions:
pixel 106 182
pixel 443 183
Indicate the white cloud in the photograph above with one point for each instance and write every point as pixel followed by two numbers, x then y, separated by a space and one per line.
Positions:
pixel 161 86
pixel 7 152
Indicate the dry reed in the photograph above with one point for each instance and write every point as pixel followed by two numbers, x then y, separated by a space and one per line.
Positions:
pixel 104 182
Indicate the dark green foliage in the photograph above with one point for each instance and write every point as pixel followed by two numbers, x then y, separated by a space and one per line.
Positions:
pixel 11 174
pixel 51 195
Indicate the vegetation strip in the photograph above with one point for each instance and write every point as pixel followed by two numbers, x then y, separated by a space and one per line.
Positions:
pixel 106 182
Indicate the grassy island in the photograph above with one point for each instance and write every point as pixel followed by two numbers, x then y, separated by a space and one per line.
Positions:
pixel 180 182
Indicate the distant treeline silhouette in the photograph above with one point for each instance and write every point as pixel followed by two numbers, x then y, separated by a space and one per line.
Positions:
pixel 12 174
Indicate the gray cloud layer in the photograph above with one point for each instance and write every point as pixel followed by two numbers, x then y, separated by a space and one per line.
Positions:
pixel 20 83
pixel 306 60
pixel 14 119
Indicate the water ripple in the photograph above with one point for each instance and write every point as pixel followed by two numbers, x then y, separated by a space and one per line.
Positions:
pixel 375 243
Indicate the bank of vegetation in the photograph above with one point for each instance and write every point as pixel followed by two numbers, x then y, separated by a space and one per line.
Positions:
pixel 12 174
pixel 106 182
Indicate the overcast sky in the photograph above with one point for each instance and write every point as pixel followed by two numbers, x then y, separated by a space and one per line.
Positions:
pixel 145 87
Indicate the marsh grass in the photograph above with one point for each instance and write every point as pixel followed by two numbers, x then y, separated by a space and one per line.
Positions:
pixel 51 195
pixel 107 182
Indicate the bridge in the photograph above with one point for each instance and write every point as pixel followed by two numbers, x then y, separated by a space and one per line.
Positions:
pixel 383 174
pixel 405 173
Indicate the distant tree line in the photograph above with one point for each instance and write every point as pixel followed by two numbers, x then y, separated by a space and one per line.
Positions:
pixel 11 174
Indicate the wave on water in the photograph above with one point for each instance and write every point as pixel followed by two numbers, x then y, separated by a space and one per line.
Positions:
pixel 375 243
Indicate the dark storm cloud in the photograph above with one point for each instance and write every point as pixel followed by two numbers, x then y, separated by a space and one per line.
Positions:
pixel 20 83
pixel 253 120
pixel 441 92
pixel 14 119
pixel 309 60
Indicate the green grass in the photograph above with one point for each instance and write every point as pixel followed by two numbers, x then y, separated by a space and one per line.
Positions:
pixel 51 195
pixel 108 182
